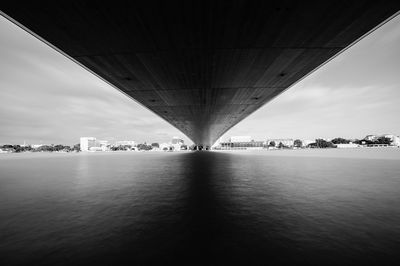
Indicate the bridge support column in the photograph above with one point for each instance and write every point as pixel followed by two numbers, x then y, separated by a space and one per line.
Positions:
pixel 198 147
pixel 201 148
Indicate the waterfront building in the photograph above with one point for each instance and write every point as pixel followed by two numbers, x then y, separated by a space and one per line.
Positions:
pixel 87 143
pixel 35 146
pixel 394 140
pixel 245 145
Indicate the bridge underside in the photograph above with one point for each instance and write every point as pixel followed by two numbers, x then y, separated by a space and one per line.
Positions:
pixel 203 66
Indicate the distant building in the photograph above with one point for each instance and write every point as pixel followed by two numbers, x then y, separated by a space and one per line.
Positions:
pixel 240 139
pixel 87 143
pixel 247 145
pixel 394 140
pixel 35 146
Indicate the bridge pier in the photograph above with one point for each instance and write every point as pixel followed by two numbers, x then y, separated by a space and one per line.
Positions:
pixel 201 148
pixel 198 147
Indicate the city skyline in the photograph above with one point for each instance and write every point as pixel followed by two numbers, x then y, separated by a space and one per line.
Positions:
pixel 46 97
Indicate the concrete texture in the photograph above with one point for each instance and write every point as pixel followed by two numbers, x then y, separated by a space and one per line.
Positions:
pixel 202 66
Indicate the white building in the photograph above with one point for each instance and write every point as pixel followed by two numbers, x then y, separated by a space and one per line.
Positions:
pixel 35 146
pixel 234 139
pixel 394 140
pixel 87 143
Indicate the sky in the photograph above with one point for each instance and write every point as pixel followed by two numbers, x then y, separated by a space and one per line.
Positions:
pixel 46 98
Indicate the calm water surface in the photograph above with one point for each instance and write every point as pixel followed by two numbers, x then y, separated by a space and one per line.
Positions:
pixel 204 208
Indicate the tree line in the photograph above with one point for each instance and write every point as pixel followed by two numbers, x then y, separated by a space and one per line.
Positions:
pixel 47 148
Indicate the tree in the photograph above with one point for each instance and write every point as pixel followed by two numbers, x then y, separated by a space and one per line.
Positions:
pixel 155 145
pixel 272 144
pixel 18 148
pixel 383 140
pixel 321 143
pixel 192 147
pixel 144 147
pixel 58 147
pixel 340 141
pixel 46 148
pixel 77 147
pixel 67 148
pixel 281 146
pixel 298 143
pixel 8 146
pixel 312 145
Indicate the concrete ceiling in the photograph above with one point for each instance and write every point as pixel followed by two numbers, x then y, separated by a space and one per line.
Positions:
pixel 202 66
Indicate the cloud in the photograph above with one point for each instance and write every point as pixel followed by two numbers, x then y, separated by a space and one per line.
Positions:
pixel 47 97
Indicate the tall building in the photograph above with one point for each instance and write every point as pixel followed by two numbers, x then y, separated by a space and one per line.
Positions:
pixel 87 143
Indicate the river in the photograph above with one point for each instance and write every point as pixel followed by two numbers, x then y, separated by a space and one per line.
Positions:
pixel 201 208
